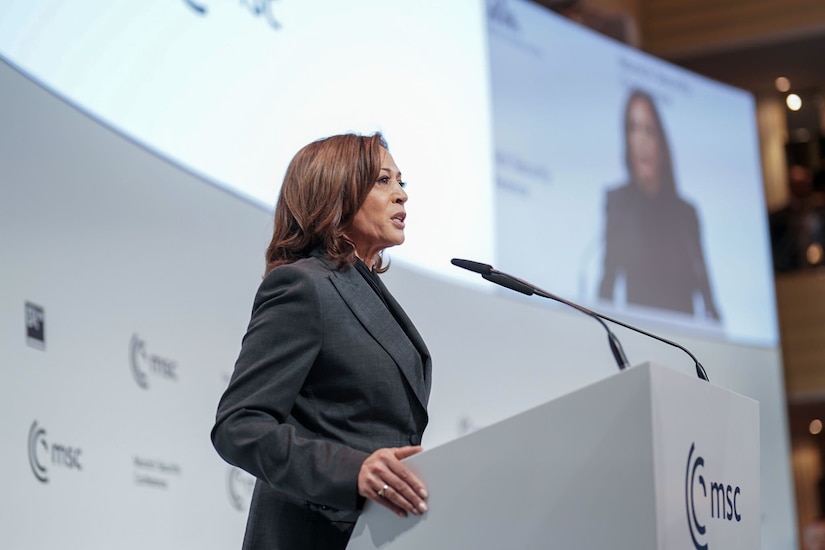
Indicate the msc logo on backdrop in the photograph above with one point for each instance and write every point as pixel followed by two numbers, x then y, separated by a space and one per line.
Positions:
pixel 42 454
pixel 145 364
pixel 35 326
pixel 258 8
pixel 707 500
pixel 239 487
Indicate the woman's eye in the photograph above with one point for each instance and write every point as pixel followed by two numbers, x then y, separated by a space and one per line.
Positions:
pixel 386 180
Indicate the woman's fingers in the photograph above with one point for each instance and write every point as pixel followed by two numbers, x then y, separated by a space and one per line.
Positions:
pixel 404 492
pixel 384 479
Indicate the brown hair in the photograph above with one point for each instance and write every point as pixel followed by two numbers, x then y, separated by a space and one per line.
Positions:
pixel 664 162
pixel 325 185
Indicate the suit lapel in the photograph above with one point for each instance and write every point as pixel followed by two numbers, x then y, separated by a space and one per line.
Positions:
pixel 412 333
pixel 400 343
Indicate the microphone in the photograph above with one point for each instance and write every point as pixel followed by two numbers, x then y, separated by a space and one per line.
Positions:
pixel 477 267
pixel 514 283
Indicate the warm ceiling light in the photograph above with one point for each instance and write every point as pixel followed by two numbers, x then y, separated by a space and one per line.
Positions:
pixel 815 426
pixel 814 253
pixel 794 102
pixel 782 84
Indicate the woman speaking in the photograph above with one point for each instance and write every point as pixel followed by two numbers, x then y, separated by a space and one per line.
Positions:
pixel 330 389
pixel 653 244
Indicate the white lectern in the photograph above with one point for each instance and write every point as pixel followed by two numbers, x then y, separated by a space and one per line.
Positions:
pixel 648 458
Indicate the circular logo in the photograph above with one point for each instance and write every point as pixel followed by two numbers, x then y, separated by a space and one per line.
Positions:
pixel 37 439
pixel 137 352
pixel 239 487
pixel 694 480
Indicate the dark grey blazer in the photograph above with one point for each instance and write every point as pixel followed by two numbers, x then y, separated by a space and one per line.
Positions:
pixel 326 375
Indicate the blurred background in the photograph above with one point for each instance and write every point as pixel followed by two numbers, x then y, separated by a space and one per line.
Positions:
pixel 774 49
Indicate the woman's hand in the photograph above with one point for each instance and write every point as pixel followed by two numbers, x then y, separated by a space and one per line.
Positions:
pixel 384 479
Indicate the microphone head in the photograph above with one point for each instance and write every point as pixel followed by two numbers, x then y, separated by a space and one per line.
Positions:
pixel 476 267
pixel 508 281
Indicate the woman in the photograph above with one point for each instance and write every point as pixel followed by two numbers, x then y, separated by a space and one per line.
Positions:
pixel 330 389
pixel 652 237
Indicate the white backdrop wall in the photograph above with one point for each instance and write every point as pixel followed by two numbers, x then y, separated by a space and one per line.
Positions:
pixel 105 238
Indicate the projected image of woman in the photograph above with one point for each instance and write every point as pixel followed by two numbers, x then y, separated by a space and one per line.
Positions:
pixel 652 236
pixel 330 389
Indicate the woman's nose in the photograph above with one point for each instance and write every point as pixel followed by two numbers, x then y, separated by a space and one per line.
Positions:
pixel 401 197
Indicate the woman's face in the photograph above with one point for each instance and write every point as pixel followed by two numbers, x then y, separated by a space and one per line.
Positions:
pixel 643 145
pixel 379 223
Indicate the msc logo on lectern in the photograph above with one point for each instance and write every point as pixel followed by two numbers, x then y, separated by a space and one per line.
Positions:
pixel 42 454
pixel 145 364
pixel 707 500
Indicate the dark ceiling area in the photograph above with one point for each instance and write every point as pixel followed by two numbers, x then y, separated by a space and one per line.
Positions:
pixel 801 59
pixel 754 66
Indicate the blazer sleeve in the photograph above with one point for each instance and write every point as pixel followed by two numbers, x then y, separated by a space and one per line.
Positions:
pixel 283 340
